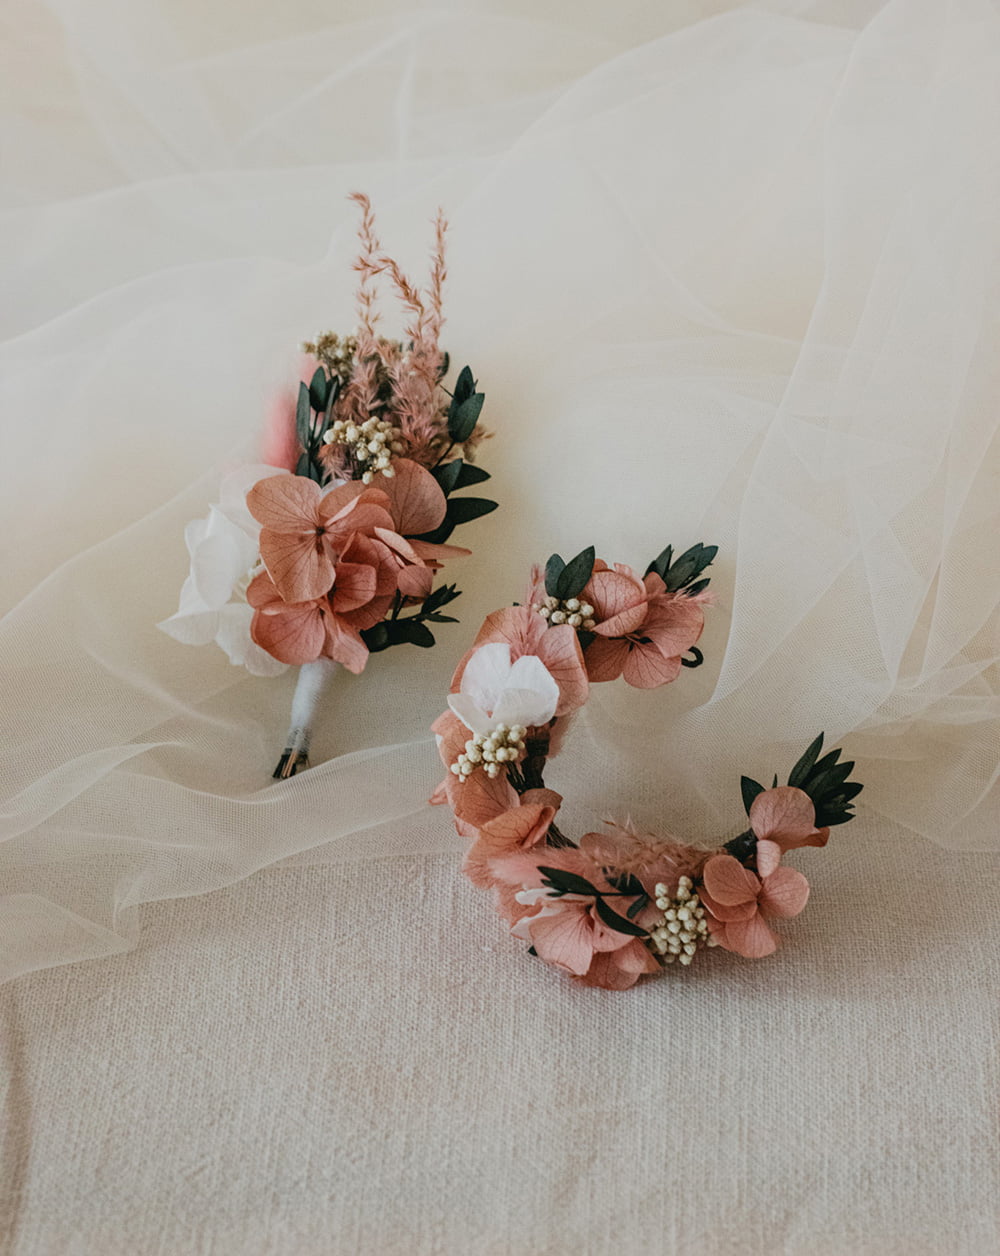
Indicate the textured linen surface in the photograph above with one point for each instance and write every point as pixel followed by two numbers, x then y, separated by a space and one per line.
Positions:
pixel 358 1060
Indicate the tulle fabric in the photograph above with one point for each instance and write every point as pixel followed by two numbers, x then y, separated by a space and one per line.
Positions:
pixel 728 274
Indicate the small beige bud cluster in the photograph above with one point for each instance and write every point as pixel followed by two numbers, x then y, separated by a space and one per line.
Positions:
pixel 335 352
pixel 372 445
pixel 573 612
pixel 684 928
pixel 491 751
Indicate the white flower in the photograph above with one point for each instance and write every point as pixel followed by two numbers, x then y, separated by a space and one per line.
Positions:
pixel 223 551
pixel 495 692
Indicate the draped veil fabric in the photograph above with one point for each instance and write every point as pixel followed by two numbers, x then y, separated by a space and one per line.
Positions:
pixel 730 275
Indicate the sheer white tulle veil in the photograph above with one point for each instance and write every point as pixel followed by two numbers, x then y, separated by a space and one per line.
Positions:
pixel 726 274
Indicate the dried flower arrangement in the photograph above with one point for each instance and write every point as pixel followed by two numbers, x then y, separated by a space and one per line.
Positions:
pixel 328 551
pixel 620 903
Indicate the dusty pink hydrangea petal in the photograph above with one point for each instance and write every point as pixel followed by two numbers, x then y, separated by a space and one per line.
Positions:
pixel 354 585
pixel 436 555
pixel 565 939
pixel 786 815
pixel 728 882
pixel 674 624
pixel 517 829
pixel 751 938
pixel 301 566
pixel 726 913
pixel 619 601
pixel 621 969
pixel 559 649
pixel 362 514
pixel 416 500
pixel 366 616
pixel 605 659
pixel 415 582
pixel 542 798
pixel 286 503
pixel 292 633
pixel 768 857
pixel 344 644
pixel 784 893
pixel 646 667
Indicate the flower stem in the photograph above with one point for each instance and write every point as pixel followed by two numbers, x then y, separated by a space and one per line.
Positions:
pixel 309 689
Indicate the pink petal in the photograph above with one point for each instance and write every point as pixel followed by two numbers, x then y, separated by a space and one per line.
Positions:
pixel 725 913
pixel 371 613
pixel 437 555
pixel 646 667
pixel 279 446
pixel 619 970
pixel 285 503
pixel 768 857
pixel 354 586
pixel 416 501
pixel 784 893
pixel 605 659
pixel 565 939
pixel 619 602
pixel 480 798
pixel 520 826
pixel 559 649
pixel 344 644
pixel 292 634
pixel 301 566
pixel 261 591
pixel 674 624
pixel 542 798
pixel 415 581
pixel 335 500
pixel 751 938
pixel 728 882
pixel 784 814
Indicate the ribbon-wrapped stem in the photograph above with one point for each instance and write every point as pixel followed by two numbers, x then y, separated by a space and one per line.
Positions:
pixel 314 679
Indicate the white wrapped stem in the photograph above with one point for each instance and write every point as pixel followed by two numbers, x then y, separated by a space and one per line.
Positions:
pixel 314 679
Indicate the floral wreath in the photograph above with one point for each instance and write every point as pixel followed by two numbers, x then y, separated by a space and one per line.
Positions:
pixel 620 903
pixel 328 551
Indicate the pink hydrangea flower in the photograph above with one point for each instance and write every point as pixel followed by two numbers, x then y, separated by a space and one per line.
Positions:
pixel 786 816
pixel 641 630
pixel 739 903
pixel 566 930
pixel 526 632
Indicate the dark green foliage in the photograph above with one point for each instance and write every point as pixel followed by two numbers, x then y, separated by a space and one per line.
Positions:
pixel 683 572
pixel 826 782
pixel 565 580
pixel 466 406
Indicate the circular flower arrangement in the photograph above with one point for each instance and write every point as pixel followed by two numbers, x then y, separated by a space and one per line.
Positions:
pixel 616 904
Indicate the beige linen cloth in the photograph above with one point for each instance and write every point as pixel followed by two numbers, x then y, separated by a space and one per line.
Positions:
pixel 727 272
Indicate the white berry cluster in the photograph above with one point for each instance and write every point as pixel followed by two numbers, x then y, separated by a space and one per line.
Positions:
pixel 684 927
pixel 372 444
pixel 573 612
pixel 491 751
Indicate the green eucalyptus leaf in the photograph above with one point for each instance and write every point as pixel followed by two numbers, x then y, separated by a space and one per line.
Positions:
pixel 553 570
pixel 463 420
pixel 469 474
pixel 566 882
pixel 575 574
pixel 318 390
pixel 749 789
pixel 465 509
pixel 619 923
pixel 303 417
pixel 800 773
pixel 447 475
pixel 465 386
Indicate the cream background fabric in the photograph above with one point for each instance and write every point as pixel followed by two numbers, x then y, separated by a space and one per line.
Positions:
pixel 355 1060
pixel 727 272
